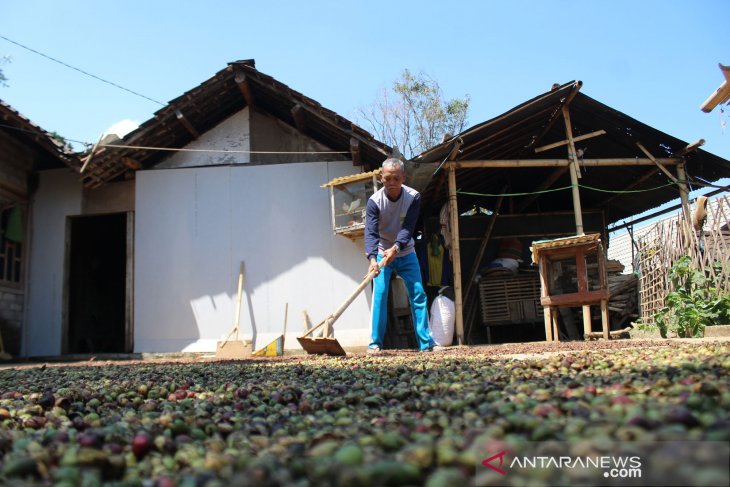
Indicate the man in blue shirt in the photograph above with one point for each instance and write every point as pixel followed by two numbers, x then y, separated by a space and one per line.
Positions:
pixel 390 220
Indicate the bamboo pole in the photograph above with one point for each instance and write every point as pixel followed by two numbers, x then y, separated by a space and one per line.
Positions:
pixel 656 161
pixel 456 255
pixel 684 193
pixel 573 173
pixel 564 142
pixel 91 154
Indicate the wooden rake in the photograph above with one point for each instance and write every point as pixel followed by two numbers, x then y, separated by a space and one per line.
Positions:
pixel 329 345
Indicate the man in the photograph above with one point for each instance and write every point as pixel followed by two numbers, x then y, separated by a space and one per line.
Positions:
pixel 390 220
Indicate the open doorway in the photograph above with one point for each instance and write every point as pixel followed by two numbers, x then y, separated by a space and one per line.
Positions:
pixel 97 285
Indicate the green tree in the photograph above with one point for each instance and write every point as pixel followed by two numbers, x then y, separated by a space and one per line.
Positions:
pixel 3 79
pixel 413 115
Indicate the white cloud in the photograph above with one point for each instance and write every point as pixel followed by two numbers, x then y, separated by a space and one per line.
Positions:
pixel 122 128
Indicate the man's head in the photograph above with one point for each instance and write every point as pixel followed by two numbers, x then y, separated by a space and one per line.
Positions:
pixel 393 176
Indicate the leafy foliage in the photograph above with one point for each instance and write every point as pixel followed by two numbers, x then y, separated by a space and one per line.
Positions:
pixel 413 115
pixel 3 78
pixel 695 302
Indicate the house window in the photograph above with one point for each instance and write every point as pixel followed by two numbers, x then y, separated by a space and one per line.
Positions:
pixel 11 246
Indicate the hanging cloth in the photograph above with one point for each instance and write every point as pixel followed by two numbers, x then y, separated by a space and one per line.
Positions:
pixel 435 261
pixel 445 226
pixel 14 227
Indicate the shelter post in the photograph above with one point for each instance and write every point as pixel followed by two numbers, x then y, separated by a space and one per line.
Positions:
pixel 456 254
pixel 683 192
pixel 573 172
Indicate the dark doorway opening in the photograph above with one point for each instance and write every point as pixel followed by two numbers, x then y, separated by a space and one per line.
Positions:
pixel 97 284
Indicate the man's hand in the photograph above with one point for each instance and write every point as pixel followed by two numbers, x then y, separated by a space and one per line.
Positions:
pixel 373 267
pixel 389 255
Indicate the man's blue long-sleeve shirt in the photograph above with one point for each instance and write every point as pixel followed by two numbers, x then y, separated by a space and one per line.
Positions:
pixel 388 222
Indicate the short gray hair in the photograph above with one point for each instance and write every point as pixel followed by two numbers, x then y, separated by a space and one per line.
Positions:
pixel 392 162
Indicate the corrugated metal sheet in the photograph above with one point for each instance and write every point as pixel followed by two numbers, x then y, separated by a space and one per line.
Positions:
pixel 560 243
pixel 353 178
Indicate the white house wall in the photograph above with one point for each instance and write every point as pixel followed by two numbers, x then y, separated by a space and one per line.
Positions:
pixel 58 196
pixel 195 225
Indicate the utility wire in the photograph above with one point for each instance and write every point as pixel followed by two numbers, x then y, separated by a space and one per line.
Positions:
pixel 82 71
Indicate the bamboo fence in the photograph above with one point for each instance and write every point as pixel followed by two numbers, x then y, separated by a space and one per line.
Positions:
pixel 675 237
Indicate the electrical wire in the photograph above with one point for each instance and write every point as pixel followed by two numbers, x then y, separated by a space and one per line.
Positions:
pixel 82 71
pixel 39 132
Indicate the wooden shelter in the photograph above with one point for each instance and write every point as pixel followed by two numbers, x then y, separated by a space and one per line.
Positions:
pixel 561 153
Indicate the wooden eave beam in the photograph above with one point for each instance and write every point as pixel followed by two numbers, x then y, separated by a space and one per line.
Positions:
pixel 656 161
pixel 355 151
pixel 565 142
pixel 243 85
pixel 300 122
pixel 131 163
pixel 186 123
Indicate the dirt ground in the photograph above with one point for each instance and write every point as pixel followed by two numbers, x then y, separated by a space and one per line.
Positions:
pixel 507 350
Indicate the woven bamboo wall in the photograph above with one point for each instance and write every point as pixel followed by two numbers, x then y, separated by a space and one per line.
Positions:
pixel 671 239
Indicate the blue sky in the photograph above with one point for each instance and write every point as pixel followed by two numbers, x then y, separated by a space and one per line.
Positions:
pixel 656 61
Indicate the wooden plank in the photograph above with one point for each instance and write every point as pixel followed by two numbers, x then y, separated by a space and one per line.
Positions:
pixel 565 142
pixel 575 299
pixel 355 151
pixel 243 85
pixel 297 113
pixel 456 255
pixel 186 123
pixel 131 163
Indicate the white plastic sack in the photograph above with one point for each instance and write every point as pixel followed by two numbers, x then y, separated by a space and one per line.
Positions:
pixel 441 324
